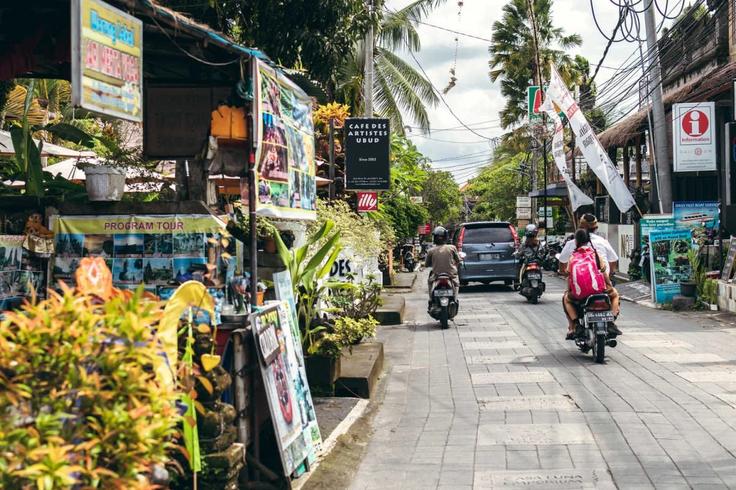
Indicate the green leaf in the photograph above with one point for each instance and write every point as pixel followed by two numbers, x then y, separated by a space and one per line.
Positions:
pixel 71 133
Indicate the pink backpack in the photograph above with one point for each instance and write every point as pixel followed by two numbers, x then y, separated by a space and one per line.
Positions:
pixel 585 277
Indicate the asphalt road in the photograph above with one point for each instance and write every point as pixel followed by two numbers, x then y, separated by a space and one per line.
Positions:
pixel 501 400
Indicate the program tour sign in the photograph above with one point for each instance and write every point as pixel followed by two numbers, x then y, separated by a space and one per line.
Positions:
pixel 367 154
pixel 107 60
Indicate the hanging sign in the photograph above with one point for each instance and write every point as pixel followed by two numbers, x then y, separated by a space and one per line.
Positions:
pixel 107 60
pixel 425 229
pixel 285 179
pixel 367 142
pixel 693 137
pixel 586 139
pixel 367 201
pixel 523 202
pixel 534 98
pixel 523 213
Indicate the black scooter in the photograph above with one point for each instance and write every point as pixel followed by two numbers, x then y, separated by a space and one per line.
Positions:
pixel 443 305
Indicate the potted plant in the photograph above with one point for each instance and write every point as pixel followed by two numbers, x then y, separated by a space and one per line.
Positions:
pixel 105 176
pixel 690 287
pixel 709 296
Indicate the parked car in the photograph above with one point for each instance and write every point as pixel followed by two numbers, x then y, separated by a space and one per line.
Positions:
pixel 487 252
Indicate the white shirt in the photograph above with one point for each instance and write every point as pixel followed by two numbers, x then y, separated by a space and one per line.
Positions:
pixel 600 244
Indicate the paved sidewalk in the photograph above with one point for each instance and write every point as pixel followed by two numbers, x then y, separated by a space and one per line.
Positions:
pixel 502 401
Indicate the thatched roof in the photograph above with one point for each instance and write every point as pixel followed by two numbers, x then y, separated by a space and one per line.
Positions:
pixel 704 87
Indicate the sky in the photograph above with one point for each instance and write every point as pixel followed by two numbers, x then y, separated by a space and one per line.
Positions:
pixel 475 100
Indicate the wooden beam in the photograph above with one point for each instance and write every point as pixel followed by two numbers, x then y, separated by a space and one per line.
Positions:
pixel 638 158
pixel 627 164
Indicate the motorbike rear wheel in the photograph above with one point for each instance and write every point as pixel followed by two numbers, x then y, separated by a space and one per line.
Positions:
pixel 444 317
pixel 599 350
pixel 533 299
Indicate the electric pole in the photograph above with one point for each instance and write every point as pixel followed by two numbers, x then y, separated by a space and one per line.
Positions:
pixel 368 66
pixel 659 136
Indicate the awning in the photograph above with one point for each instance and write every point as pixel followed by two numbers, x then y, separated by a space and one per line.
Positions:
pixel 704 87
pixel 48 149
pixel 558 189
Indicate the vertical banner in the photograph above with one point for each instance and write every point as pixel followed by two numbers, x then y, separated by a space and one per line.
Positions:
pixel 285 177
pixel 107 60
pixel 693 137
pixel 367 142
pixel 577 197
pixel 587 141
pixel 669 262
pixel 275 348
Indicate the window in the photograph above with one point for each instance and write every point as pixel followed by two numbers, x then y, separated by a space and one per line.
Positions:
pixel 488 234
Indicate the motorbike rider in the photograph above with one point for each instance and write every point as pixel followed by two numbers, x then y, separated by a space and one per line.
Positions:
pixel 609 258
pixel 529 248
pixel 443 258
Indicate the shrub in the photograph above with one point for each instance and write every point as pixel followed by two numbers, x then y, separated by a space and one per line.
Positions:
pixel 80 404
pixel 345 332
pixel 354 300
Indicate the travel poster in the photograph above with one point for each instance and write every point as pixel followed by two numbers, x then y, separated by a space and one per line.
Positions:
pixel 277 361
pixel 16 283
pixel 651 222
pixel 160 251
pixel 285 293
pixel 286 182
pixel 702 218
pixel 669 262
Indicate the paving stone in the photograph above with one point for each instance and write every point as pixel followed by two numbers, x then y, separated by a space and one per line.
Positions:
pixel 689 358
pixel 500 345
pixel 656 343
pixel 512 377
pixel 708 376
pixel 545 402
pixel 541 479
pixel 486 333
pixel 534 434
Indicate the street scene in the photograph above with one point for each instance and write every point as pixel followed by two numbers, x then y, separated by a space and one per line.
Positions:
pixel 367 244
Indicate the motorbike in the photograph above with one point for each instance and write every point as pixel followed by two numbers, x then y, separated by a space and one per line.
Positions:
pixel 444 304
pixel 532 283
pixel 592 332
pixel 408 255
pixel 552 248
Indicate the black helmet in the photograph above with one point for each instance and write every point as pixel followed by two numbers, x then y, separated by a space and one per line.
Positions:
pixel 440 231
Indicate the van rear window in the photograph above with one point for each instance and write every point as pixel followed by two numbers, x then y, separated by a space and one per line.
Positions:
pixel 496 234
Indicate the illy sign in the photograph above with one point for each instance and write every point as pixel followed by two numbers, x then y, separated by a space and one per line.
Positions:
pixel 693 139
pixel 367 201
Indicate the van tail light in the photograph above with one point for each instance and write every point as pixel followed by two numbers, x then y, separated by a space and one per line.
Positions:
pixel 599 305
pixel 515 235
pixel 460 238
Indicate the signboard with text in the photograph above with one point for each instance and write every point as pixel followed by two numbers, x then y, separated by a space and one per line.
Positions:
pixel 107 60
pixel 693 137
pixel 367 201
pixel 654 222
pixel 367 154
pixel 669 262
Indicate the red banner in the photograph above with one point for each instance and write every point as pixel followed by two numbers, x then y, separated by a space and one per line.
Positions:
pixel 424 229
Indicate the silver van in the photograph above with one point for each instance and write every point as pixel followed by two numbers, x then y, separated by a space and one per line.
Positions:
pixel 487 252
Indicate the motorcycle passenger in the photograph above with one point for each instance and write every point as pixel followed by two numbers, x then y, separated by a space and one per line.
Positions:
pixel 442 259
pixel 583 240
pixel 528 249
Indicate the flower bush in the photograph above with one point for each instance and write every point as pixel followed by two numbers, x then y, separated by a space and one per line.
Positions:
pixel 80 403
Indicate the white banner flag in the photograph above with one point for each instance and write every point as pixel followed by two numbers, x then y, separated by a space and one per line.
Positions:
pixel 577 197
pixel 587 141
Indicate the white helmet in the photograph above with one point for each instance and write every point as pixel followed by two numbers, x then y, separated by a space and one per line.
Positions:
pixel 531 230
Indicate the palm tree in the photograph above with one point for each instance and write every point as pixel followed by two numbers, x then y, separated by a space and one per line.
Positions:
pixel 398 87
pixel 512 53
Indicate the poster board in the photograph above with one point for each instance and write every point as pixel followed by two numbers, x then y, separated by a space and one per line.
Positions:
pixel 107 60
pixel 654 222
pixel 702 218
pixel 16 280
pixel 729 263
pixel 669 262
pixel 285 154
pixel 159 251
pixel 277 361
pixel 367 142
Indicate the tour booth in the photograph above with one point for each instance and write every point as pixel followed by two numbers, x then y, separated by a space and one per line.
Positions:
pixel 219 111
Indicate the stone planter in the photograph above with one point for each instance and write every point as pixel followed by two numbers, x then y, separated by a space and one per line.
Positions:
pixel 104 183
pixel 322 371
pixel 688 289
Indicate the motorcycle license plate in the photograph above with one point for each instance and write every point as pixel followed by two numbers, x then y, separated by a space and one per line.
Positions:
pixel 534 275
pixel 599 316
pixel 489 256
pixel 444 292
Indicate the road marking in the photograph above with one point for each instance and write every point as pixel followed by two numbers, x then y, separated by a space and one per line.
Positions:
pixel 534 434
pixel 508 344
pixel 574 478
pixel 546 402
pixel 708 376
pixel 687 358
pixel 502 359
pixel 511 377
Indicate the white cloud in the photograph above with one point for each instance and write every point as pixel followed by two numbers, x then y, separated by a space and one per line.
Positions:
pixel 474 99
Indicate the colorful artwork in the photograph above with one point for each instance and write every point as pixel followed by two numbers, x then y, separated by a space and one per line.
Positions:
pixel 702 218
pixel 17 280
pixel 669 262
pixel 285 155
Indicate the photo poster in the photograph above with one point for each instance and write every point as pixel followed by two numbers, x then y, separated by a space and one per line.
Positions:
pixel 702 218
pixel 285 293
pixel 16 283
pixel 274 343
pixel 159 251
pixel 285 155
pixel 669 262
pixel 654 222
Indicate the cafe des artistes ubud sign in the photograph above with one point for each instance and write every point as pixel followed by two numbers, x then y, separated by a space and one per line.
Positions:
pixel 107 60
pixel 367 143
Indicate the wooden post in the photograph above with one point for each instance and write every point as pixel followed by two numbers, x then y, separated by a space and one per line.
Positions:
pixel 638 162
pixel 627 164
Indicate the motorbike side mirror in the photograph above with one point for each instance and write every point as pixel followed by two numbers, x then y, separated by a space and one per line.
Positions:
pixel 462 255
pixel 557 256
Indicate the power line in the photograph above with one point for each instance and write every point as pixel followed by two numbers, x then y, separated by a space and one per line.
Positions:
pixel 465 34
